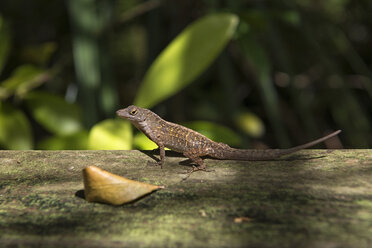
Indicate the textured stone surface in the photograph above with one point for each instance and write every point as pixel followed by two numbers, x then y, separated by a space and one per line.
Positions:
pixel 315 198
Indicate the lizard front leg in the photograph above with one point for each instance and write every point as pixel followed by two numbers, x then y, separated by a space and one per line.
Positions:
pixel 162 156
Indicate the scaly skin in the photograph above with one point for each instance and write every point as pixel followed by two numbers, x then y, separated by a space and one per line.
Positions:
pixel 194 145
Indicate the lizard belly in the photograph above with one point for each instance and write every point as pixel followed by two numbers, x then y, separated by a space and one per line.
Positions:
pixel 176 144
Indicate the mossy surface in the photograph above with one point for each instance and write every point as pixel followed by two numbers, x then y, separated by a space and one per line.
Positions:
pixel 315 198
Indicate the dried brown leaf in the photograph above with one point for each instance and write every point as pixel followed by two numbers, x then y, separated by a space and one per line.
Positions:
pixel 105 187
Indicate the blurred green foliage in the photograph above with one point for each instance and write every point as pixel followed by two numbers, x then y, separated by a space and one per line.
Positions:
pixel 185 58
pixel 15 131
pixel 249 74
pixel 110 135
pixel 54 113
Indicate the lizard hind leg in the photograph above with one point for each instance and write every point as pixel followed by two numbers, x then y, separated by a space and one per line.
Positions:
pixel 197 160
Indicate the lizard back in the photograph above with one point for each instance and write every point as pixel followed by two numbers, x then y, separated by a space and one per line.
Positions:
pixel 182 139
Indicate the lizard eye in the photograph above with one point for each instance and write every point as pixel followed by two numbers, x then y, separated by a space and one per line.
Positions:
pixel 133 112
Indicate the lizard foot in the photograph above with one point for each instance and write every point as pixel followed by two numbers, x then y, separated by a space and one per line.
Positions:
pixel 195 168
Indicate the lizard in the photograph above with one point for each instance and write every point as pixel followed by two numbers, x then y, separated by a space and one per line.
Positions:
pixel 194 145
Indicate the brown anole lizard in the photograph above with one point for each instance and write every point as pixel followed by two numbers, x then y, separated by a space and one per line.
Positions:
pixel 194 145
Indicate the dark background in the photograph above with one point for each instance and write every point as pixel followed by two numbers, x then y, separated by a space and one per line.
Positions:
pixel 298 69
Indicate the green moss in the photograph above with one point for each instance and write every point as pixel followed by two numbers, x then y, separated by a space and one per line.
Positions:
pixel 365 203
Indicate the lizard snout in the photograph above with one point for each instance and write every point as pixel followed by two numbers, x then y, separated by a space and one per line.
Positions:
pixel 121 112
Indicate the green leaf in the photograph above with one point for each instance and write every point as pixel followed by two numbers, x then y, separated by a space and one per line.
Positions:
pixel 251 124
pixel 141 142
pixel 24 78
pixel 215 132
pixel 77 141
pixel 186 57
pixel 5 38
pixel 111 134
pixel 15 129
pixel 54 113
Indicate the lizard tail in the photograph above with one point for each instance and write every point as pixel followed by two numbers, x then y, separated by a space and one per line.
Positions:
pixel 268 154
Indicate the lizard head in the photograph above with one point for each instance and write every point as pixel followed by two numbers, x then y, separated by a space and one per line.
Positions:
pixel 132 113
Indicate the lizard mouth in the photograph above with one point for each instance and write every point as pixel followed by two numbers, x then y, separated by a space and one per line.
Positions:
pixel 122 113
